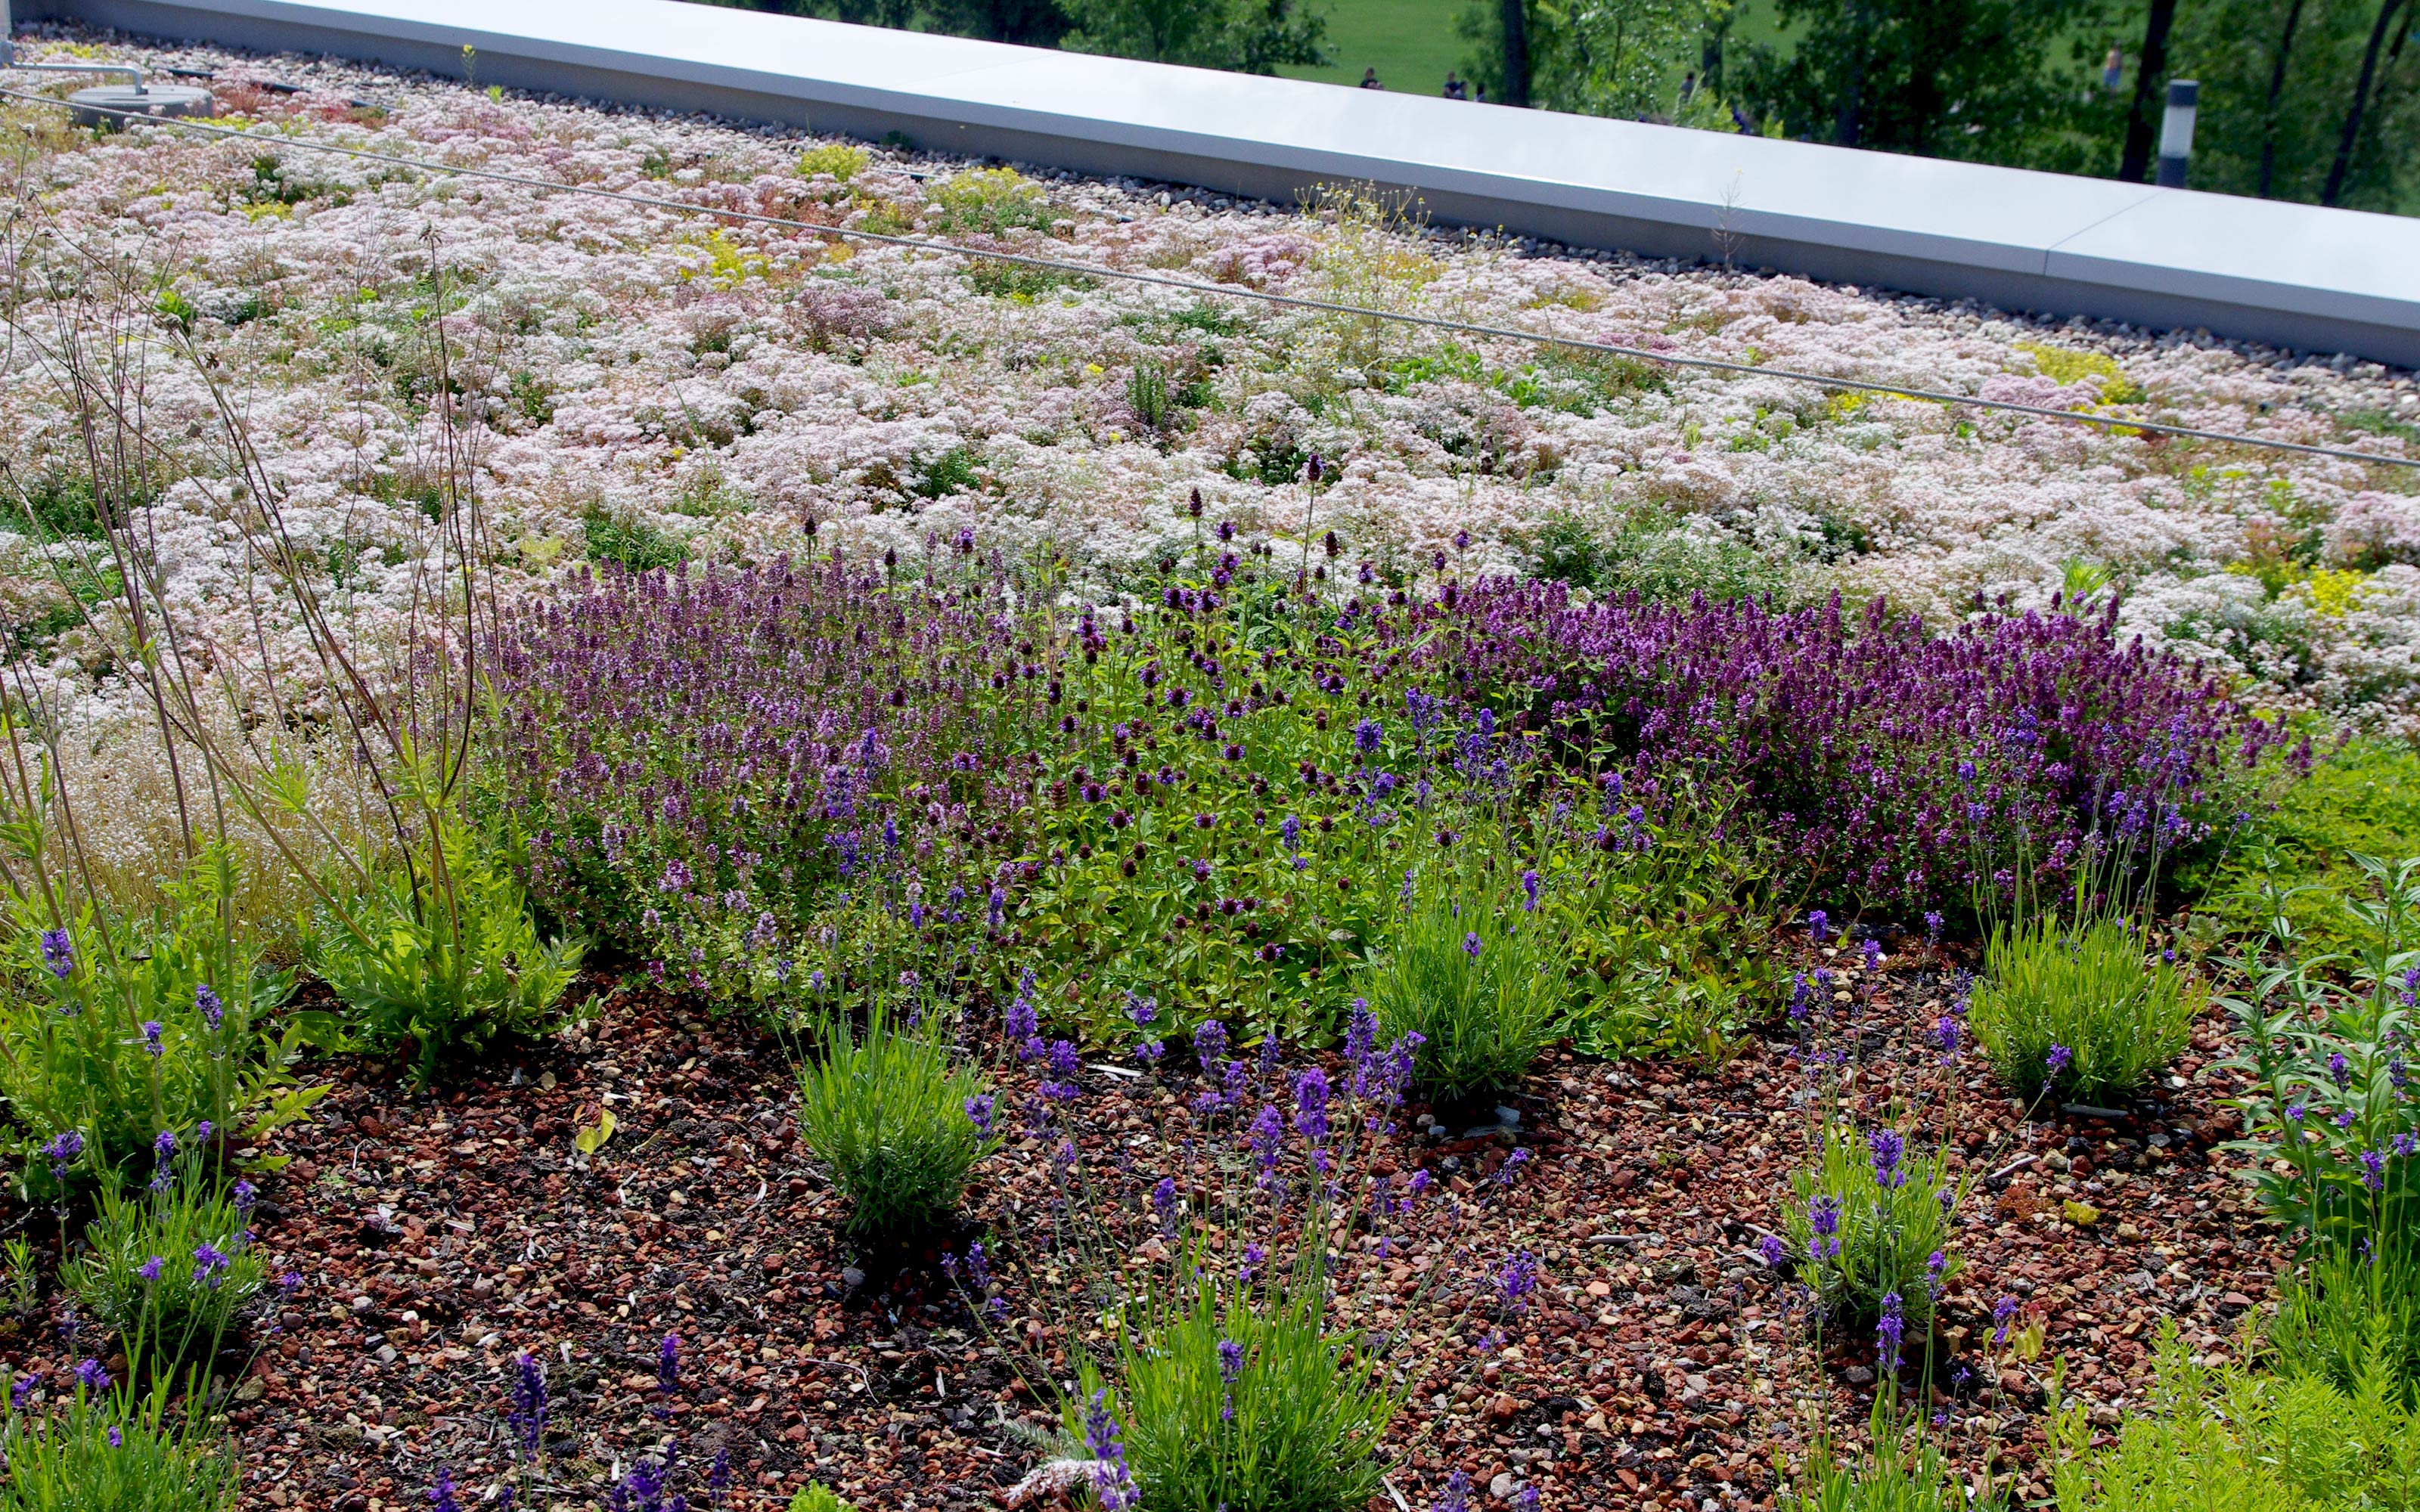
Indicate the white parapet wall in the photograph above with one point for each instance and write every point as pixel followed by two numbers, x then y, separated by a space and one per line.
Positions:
pixel 2294 275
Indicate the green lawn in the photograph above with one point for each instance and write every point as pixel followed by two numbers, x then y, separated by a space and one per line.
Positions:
pixel 1411 43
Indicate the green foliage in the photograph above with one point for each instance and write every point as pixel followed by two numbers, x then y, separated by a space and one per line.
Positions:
pixel 1241 36
pixel 2349 1311
pixel 2064 364
pixel 1904 1472
pixel 819 1497
pixel 1147 395
pixel 1476 970
pixel 2295 863
pixel 1891 1219
pixel 1608 57
pixel 2224 1440
pixel 1994 80
pixel 887 1109
pixel 1658 562
pixel 191 1232
pixel 631 542
pixel 115 1451
pixel 2088 989
pixel 990 201
pixel 442 953
pixel 954 470
pixel 1291 1426
pixel 79 1058
pixel 2325 1042
pixel 1574 383
pixel 841 160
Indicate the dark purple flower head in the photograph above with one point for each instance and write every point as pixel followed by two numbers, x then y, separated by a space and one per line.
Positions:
pixel 151 1032
pixel 978 1110
pixel 206 1003
pixel 1209 1042
pixel 2057 1061
pixel 1770 1250
pixel 1457 1494
pixel 440 1495
pixel 1367 735
pixel 667 1365
pixel 58 952
pixel 2002 1311
pixel 525 1411
pixel 1311 1106
pixel 1888 1333
pixel 209 1264
pixel 1515 1279
pixel 2340 1069
pixel 1887 1148
pixel 91 1377
pixel 1818 926
pixel 1230 1361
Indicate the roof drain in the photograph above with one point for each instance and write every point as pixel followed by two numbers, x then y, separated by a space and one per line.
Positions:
pixel 108 104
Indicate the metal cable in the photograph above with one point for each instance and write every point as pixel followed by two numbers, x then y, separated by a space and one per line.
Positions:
pixel 1230 291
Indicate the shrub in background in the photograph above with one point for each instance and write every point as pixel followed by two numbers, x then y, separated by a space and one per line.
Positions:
pixel 1239 1396
pixel 898 1118
pixel 2079 1011
pixel 1872 1219
pixel 170 1270
pixel 443 954
pixel 1885 757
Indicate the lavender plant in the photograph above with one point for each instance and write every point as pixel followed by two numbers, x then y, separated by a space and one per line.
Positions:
pixel 110 1448
pixel 1256 1333
pixel 170 1270
pixel 1476 970
pixel 127 1024
pixel 1239 1394
pixel 1871 1231
pixel 898 1118
pixel 2081 1012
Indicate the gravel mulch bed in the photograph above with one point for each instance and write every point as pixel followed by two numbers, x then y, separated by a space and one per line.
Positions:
pixel 438 1232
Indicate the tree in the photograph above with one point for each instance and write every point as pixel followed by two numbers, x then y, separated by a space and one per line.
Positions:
pixel 1245 36
pixel 1591 57
pixel 1976 79
pixel 2269 123
pixel 2150 72
pixel 2388 11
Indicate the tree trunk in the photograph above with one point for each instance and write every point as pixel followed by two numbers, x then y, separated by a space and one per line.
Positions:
pixel 1847 119
pixel 2387 11
pixel 1516 51
pixel 2276 88
pixel 2150 74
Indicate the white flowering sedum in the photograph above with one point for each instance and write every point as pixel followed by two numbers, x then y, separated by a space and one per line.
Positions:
pixel 650 377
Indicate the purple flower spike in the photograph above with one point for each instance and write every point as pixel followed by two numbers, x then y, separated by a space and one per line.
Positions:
pixel 58 952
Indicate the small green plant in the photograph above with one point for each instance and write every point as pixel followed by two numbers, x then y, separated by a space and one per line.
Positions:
pixel 898 1119
pixel 841 160
pixel 2225 1437
pixel 991 201
pixel 1871 1222
pixel 113 1449
pixel 442 953
pixel 630 541
pixel 2079 1011
pixel 130 1026
pixel 1147 394
pixel 1238 1396
pixel 2325 1040
pixel 170 1270
pixel 1904 1472
pixel 2350 1311
pixel 819 1498
pixel 1481 980
pixel 25 1285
